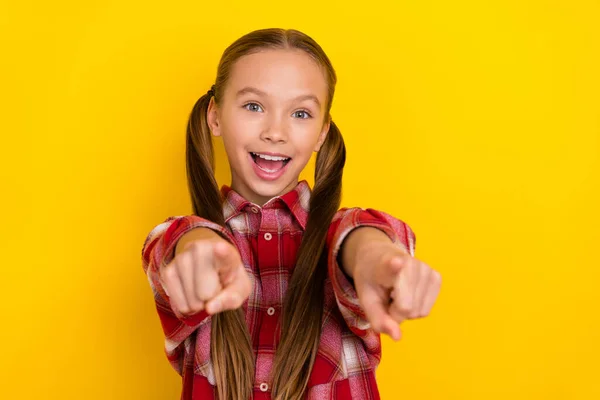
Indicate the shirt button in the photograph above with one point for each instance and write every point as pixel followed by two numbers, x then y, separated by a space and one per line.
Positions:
pixel 268 236
pixel 254 210
pixel 264 387
pixel 271 311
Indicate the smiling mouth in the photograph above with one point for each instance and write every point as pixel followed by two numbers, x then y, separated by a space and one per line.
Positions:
pixel 269 163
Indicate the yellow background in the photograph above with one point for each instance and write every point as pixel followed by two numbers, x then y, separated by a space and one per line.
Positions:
pixel 475 122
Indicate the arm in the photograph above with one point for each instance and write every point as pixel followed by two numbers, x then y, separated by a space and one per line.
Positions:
pixel 347 231
pixel 391 284
pixel 162 244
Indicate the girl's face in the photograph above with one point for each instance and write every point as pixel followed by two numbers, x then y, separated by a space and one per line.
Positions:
pixel 271 118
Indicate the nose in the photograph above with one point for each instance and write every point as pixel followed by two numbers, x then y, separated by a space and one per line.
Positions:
pixel 275 131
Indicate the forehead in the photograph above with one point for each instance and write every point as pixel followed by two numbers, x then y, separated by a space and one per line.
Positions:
pixel 281 73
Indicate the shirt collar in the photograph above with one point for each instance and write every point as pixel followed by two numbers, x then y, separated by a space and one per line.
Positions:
pixel 296 200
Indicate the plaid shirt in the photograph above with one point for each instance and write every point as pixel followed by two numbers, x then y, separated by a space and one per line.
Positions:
pixel 268 239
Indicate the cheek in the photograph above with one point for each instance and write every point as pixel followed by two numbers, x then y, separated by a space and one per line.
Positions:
pixel 306 137
pixel 237 129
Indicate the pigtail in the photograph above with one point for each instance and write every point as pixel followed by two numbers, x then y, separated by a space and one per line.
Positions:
pixel 303 307
pixel 231 349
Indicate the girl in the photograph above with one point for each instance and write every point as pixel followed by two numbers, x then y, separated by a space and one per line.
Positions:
pixel 268 290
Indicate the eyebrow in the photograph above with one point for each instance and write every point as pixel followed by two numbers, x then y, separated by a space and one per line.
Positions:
pixel 249 89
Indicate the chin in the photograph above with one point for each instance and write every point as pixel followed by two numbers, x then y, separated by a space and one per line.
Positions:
pixel 270 189
pixel 273 188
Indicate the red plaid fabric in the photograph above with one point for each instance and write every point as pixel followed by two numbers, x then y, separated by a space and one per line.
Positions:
pixel 268 239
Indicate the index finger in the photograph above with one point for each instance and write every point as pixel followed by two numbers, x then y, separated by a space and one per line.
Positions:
pixel 231 297
pixel 376 312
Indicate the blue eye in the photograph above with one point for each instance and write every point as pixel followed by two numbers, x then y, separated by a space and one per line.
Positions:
pixel 253 107
pixel 302 114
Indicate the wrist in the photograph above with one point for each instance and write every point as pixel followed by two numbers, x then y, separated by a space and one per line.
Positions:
pixel 194 235
pixel 355 243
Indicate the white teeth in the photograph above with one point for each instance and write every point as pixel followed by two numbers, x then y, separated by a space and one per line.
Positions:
pixel 267 170
pixel 272 158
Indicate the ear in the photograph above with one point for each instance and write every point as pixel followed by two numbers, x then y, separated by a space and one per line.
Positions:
pixel 212 117
pixel 323 134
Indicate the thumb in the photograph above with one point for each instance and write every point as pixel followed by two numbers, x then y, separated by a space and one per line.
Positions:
pixel 375 307
pixel 226 261
pixel 386 272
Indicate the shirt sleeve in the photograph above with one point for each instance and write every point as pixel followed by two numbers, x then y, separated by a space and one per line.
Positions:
pixel 159 250
pixel 344 222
